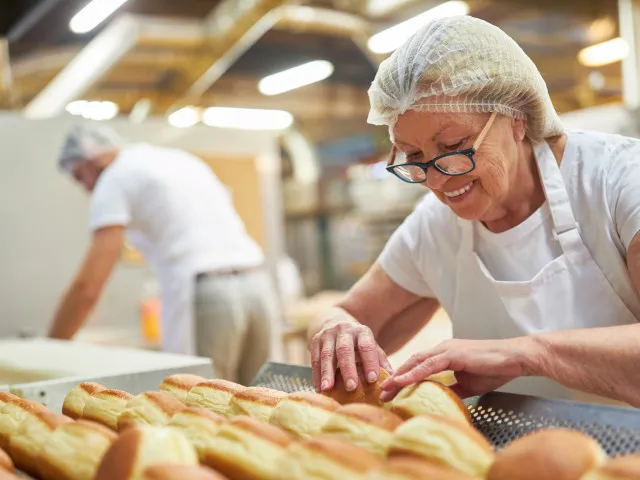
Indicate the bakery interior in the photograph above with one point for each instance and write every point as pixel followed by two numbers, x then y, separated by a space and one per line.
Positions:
pixel 311 187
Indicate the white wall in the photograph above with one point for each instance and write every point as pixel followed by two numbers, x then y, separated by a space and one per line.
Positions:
pixel 44 216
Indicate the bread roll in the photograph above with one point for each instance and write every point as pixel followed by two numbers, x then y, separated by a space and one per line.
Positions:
pixel 76 399
pixel 179 385
pixel 74 451
pixel 322 458
pixel 5 461
pixel 429 397
pixel 621 468
pixel 180 472
pixel 303 414
pixel 214 395
pixel 25 444
pixel 446 441
pixel 255 402
pixel 105 407
pixel 149 408
pixel 364 393
pixel 246 449
pixel 12 413
pixel 142 446
pixel 6 397
pixel 413 468
pixel 364 426
pixel 200 426
pixel 557 453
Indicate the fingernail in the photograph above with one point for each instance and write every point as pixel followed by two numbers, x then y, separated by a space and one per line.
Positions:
pixel 351 385
pixel 325 385
pixel 372 377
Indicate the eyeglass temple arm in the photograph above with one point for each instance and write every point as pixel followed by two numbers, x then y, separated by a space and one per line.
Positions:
pixel 484 131
pixel 392 156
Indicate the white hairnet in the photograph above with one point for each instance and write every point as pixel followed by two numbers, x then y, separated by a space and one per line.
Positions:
pixel 86 141
pixel 462 64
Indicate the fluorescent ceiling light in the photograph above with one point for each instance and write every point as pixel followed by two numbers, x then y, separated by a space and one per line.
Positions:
pixel 295 77
pixel 185 117
pixel 247 118
pixel 604 53
pixel 93 14
pixel 388 40
pixel 93 110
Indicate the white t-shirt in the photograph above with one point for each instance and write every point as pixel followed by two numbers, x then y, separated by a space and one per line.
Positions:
pixel 602 176
pixel 176 211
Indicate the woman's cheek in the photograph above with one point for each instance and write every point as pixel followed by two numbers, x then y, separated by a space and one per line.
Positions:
pixel 494 178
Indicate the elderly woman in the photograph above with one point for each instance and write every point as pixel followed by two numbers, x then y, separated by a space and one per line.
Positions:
pixel 528 241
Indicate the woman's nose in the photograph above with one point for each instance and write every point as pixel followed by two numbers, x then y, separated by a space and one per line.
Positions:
pixel 435 179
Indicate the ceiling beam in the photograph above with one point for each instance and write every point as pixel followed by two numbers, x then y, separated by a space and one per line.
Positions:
pixel 6 78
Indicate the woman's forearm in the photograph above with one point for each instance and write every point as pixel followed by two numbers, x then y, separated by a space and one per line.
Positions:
pixel 602 361
pixel 403 327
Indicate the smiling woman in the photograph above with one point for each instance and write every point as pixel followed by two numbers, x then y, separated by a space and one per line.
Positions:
pixel 529 241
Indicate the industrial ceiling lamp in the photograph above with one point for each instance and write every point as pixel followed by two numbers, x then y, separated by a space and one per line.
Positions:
pixel 93 14
pixel 247 118
pixel 295 77
pixel 184 118
pixel 93 110
pixel 604 53
pixel 388 40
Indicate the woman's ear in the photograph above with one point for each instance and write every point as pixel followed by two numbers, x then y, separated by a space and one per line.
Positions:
pixel 519 127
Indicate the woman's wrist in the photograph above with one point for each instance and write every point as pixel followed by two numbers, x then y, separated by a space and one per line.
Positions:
pixel 533 355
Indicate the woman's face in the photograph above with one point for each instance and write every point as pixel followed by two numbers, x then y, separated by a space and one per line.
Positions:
pixel 421 136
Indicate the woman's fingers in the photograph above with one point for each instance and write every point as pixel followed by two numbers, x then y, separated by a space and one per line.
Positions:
pixel 346 357
pixel 418 373
pixel 384 361
pixel 316 366
pixel 327 363
pixel 368 351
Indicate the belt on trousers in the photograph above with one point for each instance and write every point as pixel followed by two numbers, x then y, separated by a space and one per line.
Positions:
pixel 228 272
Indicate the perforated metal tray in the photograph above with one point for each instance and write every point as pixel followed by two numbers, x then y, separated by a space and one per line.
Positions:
pixel 503 417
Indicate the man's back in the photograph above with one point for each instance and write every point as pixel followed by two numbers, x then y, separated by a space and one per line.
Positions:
pixel 176 210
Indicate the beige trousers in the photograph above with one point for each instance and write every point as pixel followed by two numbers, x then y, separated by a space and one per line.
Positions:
pixel 238 324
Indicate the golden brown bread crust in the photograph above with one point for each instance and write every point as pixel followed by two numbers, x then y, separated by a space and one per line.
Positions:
pixel 105 407
pixel 202 412
pixel 364 393
pixel 180 472
pixel 256 402
pixel 303 414
pixel 315 400
pixel 356 459
pixel 428 397
pixel 199 425
pixel 76 399
pixel 74 451
pixel 214 395
pixel 12 413
pixel 5 461
pixel 224 385
pixel 149 408
pixel 371 415
pixel 413 468
pixel 261 395
pixel 6 396
pixel 626 467
pixel 262 430
pixel 179 385
pixel 25 445
pixel 557 453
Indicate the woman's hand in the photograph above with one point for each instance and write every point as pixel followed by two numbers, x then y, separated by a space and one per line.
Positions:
pixel 480 366
pixel 341 342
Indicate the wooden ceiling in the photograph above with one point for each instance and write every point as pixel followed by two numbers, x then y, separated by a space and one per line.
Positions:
pixel 551 32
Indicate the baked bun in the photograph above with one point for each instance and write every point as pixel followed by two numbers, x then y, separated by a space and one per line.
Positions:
pixel 200 426
pixel 429 397
pixel 5 461
pixel 557 453
pixel 178 386
pixel 12 414
pixel 247 449
pixel 214 395
pixel 303 414
pixel 74 451
pixel 76 399
pixel 142 446
pixel 149 408
pixel 365 392
pixel 439 439
pixel 413 468
pixel 105 407
pixel 255 402
pixel 322 458
pixel 180 472
pixel 364 426
pixel 626 467
pixel 6 397
pixel 26 443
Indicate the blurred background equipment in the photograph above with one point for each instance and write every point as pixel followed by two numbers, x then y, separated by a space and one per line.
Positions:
pixel 272 94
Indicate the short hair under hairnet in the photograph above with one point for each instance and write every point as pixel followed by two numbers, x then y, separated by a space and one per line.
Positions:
pixel 86 141
pixel 463 64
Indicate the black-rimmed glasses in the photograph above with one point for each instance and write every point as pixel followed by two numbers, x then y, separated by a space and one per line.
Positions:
pixel 452 164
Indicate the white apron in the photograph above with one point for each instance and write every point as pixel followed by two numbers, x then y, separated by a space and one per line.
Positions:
pixel 177 286
pixel 571 292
